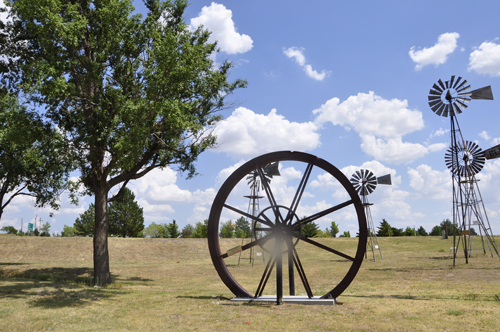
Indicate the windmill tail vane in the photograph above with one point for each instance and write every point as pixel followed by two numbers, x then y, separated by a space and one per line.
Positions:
pixel 269 171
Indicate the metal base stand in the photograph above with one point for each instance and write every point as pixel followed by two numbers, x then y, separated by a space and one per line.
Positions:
pixel 316 300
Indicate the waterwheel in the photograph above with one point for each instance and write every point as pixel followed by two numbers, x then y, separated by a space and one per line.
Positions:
pixel 279 229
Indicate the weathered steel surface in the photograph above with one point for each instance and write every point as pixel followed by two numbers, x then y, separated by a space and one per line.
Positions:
pixel 384 179
pixel 482 93
pixel 493 152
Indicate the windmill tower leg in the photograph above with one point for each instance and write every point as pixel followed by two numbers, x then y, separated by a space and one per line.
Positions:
pixel 372 241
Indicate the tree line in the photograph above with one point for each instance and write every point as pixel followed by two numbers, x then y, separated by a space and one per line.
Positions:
pixel 385 229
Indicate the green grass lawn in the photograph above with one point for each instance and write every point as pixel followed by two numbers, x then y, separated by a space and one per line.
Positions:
pixel 170 284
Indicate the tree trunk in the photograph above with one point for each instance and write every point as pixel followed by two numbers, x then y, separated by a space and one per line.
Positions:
pixel 101 255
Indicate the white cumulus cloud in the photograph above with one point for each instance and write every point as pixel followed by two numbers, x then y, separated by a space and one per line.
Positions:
pixel 430 183
pixel 371 114
pixel 484 135
pixel 247 134
pixel 437 147
pixel 393 150
pixel 437 54
pixel 380 123
pixel 218 19
pixel 159 186
pixel 486 59
pixel 297 54
pixel 440 132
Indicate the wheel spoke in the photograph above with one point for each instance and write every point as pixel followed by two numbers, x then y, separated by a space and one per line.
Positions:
pixel 236 250
pixel 319 245
pixel 298 265
pixel 265 276
pixel 265 222
pixel 270 196
pixel 300 191
pixel 321 214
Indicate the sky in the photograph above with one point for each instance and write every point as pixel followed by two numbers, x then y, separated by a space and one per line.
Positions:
pixel 346 81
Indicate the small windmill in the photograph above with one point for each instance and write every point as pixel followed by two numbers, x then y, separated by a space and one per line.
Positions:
pixel 255 183
pixel 365 182
pixel 464 159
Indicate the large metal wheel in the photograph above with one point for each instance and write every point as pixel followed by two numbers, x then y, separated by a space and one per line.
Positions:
pixel 278 229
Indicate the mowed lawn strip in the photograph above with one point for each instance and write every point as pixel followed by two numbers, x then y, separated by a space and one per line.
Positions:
pixel 171 284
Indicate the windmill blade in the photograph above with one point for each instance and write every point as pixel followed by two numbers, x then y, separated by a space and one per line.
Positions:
pixel 463 89
pixel 482 93
pixel 457 108
pixel 445 111
pixel 456 83
pixel 370 188
pixel 461 85
pixel 434 102
pixel 436 87
pixel 440 109
pixel 384 179
pixel 451 110
pixel 464 106
pixel 435 92
pixel 451 81
pixel 441 84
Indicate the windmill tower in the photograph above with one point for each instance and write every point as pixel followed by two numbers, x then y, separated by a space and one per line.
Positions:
pixel 464 159
pixel 255 183
pixel 365 182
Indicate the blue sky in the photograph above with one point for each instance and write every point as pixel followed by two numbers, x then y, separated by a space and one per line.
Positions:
pixel 348 82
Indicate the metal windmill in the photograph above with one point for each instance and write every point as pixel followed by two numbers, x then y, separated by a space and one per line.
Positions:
pixel 464 159
pixel 255 183
pixel 365 182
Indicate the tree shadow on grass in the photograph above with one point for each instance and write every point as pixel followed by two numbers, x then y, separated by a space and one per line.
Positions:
pixel 204 297
pixel 53 288
pixel 7 264
pixel 410 269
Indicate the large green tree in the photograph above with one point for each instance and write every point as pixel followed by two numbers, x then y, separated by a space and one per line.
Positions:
pixel 156 231
pixel 125 215
pixel 242 228
pixel 68 231
pixel 201 229
pixel 132 93
pixel 333 230
pixel 421 231
pixel 384 229
pixel 125 218
pixel 33 160
pixel 85 223
pixel 187 231
pixel 9 230
pixel 227 229
pixel 309 229
pixel 173 230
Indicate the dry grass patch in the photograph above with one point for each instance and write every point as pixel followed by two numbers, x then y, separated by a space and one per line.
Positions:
pixel 170 284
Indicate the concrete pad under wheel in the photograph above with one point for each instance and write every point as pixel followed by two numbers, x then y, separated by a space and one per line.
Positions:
pixel 316 300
